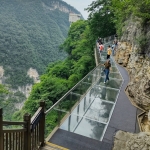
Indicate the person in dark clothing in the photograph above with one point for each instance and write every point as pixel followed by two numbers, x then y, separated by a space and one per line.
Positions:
pixel 99 40
pixel 107 65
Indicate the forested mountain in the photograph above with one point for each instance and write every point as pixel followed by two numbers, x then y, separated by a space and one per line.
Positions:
pixel 30 34
pixel 62 76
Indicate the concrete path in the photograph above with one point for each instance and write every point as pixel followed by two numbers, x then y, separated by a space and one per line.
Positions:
pixel 123 118
pixel 125 114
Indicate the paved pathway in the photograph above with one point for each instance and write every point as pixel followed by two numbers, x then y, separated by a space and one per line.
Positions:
pixel 123 118
pixel 124 115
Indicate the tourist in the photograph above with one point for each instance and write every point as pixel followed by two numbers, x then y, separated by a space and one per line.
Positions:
pixel 108 52
pixel 107 65
pixel 113 48
pixel 99 40
pixel 101 47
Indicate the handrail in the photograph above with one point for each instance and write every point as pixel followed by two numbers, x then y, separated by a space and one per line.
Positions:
pixel 69 91
pixel 34 117
pixel 5 123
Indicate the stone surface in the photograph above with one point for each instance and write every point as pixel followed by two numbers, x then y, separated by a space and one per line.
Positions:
pixel 136 59
pixel 32 73
pixel 149 116
pixel 129 141
pixel 139 71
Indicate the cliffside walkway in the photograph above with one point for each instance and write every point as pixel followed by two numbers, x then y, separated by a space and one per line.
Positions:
pixel 103 110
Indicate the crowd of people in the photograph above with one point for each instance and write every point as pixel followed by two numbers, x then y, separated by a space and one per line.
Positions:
pixel 111 50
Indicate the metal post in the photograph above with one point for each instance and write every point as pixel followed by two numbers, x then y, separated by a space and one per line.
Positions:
pixel 42 124
pixel 1 128
pixel 27 135
pixel 84 107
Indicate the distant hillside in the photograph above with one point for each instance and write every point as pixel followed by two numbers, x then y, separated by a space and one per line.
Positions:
pixel 30 35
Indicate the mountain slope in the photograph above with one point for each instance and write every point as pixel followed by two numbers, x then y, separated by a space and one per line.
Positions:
pixel 30 35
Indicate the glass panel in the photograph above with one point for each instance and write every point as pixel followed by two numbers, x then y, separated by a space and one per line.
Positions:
pixel 104 53
pixel 68 102
pixel 99 111
pixel 77 90
pixel 82 88
pixel 84 126
pixel 112 83
pixel 90 128
pixel 112 75
pixel 105 93
pixel 89 78
pixel 83 106
pixel 70 123
pixel 53 119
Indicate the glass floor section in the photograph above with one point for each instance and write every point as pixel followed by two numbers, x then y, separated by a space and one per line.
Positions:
pixel 95 103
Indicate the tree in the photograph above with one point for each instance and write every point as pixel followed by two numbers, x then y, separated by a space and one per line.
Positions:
pixel 101 18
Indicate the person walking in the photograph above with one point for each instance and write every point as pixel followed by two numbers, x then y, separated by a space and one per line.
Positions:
pixel 107 65
pixel 101 47
pixel 113 48
pixel 108 52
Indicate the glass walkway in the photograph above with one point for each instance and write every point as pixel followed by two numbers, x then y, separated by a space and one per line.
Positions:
pixel 91 102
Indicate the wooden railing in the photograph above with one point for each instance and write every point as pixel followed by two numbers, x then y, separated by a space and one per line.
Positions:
pixel 29 137
pixel 38 128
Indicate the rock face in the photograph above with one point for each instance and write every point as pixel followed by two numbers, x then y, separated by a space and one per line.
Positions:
pixel 138 68
pixel 1 74
pixel 129 141
pixel 57 5
pixel 138 65
pixel 134 56
pixel 32 73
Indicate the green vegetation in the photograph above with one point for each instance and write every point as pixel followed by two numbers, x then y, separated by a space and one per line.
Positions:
pixel 101 18
pixel 63 75
pixel 108 16
pixel 142 42
pixel 123 9
pixel 30 37
pixel 3 89
pixel 11 103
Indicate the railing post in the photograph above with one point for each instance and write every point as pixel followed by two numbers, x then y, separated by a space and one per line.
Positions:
pixel 27 136
pixel 1 128
pixel 42 124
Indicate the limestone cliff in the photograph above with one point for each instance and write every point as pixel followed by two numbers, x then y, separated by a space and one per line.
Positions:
pixel 133 53
pixel 129 141
pixel 25 90
pixel 57 5
pixel 136 59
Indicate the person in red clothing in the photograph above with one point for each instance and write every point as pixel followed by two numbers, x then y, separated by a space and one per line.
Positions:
pixel 101 47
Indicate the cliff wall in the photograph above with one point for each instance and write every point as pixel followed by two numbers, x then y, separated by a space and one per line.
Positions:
pixel 133 53
pixel 134 56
